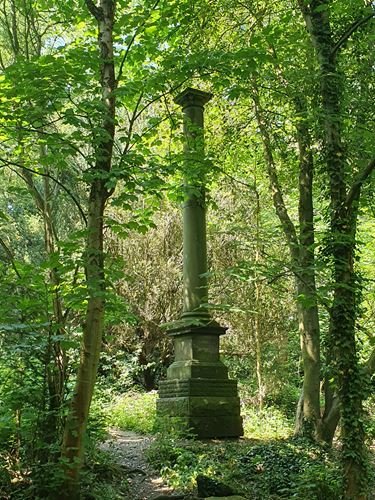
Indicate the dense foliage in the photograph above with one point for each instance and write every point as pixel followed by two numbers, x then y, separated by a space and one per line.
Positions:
pixel 91 176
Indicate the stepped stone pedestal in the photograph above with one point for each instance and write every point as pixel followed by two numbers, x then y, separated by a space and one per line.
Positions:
pixel 197 392
pixel 197 389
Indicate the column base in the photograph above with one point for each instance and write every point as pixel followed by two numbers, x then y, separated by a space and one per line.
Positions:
pixel 207 427
pixel 197 395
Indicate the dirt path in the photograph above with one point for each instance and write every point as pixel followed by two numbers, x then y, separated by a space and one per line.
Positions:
pixel 128 450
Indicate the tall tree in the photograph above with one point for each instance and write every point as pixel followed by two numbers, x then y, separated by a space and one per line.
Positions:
pixel 301 248
pixel 72 449
pixel 344 204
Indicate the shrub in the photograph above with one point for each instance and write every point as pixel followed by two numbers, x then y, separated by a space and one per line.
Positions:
pixel 102 478
pixel 180 459
pixel 319 482
pixel 291 469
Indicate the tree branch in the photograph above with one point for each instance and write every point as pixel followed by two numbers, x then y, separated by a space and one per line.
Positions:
pixel 136 33
pixel 10 256
pixel 349 31
pixel 97 12
pixel 370 365
pixel 138 112
pixel 358 183
pixel 7 163
pixel 50 134
pixel 277 195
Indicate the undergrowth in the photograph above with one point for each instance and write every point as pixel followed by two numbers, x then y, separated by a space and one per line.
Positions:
pixel 275 469
pixel 134 411
pixel 268 464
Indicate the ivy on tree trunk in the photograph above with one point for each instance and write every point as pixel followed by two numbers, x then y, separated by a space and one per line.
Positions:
pixel 341 248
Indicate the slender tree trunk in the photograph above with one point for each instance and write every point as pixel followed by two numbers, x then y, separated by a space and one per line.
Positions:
pixel 73 443
pixel 257 326
pixel 301 250
pixel 56 371
pixel 342 249
pixel 306 287
pixel 75 427
pixel 56 359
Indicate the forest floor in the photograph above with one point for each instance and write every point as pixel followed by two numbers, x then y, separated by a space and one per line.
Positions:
pixel 128 450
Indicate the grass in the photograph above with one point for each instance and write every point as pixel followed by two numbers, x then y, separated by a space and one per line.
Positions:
pixel 266 424
pixel 134 412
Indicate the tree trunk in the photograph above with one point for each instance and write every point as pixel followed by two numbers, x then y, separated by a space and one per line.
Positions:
pixel 308 313
pixel 76 423
pixel 258 323
pixel 56 358
pixel 341 248
pixel 301 250
pixel 73 443
pixel 56 371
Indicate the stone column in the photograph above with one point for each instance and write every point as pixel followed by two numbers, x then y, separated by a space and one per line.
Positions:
pixel 197 390
pixel 194 209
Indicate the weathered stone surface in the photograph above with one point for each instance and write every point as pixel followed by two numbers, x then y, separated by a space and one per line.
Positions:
pixel 200 406
pixel 205 427
pixel 197 387
pixel 232 497
pixel 197 369
pixel 201 347
pixel 195 323
pixel 217 427
pixel 193 97
pixel 210 487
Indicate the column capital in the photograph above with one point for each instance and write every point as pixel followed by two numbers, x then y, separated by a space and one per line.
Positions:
pixel 192 97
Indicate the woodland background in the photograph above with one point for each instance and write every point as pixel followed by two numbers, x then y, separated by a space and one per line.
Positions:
pixel 90 231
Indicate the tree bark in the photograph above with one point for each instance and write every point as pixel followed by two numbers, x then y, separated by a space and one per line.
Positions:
pixel 342 251
pixel 56 358
pixel 301 248
pixel 56 371
pixel 258 322
pixel 306 287
pixel 76 424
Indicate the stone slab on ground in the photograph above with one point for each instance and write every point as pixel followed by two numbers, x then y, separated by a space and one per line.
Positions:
pixel 233 497
pixel 209 487
pixel 169 497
